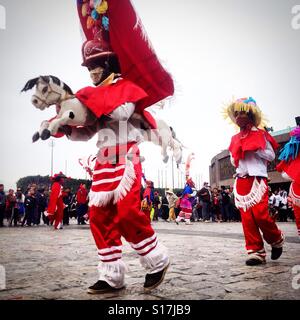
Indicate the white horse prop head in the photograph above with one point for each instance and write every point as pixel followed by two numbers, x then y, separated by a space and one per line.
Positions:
pixel 49 90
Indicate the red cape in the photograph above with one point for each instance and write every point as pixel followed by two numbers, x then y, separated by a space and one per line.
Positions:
pixel 254 141
pixel 291 168
pixel 103 100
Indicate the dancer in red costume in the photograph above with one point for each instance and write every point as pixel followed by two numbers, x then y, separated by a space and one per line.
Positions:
pixel 55 209
pixel 251 149
pixel 290 168
pixel 116 44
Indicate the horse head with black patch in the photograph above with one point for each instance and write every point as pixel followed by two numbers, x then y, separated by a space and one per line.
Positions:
pixel 70 112
pixel 49 90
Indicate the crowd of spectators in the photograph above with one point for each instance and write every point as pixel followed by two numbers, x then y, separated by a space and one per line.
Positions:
pixel 208 205
pixel 216 205
pixel 279 205
pixel 28 208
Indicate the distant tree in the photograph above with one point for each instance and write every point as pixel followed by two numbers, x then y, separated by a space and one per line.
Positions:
pixel 45 182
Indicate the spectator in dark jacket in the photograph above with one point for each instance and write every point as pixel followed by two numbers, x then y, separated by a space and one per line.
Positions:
pixel 216 207
pixel 41 204
pixel 11 208
pixel 2 204
pixel 164 208
pixel 226 204
pixel 82 203
pixel 20 203
pixel 67 199
pixel 30 207
pixel 156 204
pixel 205 198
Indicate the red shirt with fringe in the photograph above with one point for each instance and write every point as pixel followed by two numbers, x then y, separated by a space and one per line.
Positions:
pixel 253 141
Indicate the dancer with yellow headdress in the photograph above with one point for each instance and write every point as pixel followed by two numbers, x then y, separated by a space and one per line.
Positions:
pixel 251 150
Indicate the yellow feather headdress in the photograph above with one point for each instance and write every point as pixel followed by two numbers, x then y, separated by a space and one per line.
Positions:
pixel 247 105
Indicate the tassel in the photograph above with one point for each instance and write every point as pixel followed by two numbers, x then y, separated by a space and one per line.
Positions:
pixel 251 199
pixel 294 197
pixel 290 150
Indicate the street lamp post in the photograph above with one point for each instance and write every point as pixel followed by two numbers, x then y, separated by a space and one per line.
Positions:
pixel 158 174
pixel 66 167
pixel 166 176
pixel 172 172
pixel 52 144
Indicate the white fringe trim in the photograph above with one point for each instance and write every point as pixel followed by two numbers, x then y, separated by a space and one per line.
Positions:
pixel 259 255
pixel 113 273
pixel 295 197
pixel 156 260
pixel 102 198
pixel 253 197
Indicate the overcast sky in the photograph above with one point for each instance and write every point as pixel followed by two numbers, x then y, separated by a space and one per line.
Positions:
pixel 215 50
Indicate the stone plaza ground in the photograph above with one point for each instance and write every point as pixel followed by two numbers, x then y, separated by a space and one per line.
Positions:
pixel 207 263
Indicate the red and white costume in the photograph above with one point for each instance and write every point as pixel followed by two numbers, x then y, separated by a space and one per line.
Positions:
pixel 115 193
pixel 55 209
pixel 250 155
pixel 292 170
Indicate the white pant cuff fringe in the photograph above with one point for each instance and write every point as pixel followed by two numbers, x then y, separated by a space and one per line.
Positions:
pixel 113 273
pixel 156 260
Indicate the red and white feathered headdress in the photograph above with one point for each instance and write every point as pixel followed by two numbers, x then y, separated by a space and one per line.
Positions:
pixel 115 25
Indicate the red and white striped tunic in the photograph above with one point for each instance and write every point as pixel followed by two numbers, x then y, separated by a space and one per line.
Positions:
pixel 112 181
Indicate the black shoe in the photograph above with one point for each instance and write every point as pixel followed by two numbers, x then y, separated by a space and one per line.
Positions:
pixel 254 262
pixel 153 280
pixel 276 253
pixel 102 287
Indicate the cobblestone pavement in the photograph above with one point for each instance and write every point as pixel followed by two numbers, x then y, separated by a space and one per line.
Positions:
pixel 207 262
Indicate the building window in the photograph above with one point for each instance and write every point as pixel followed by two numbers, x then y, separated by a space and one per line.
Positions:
pixel 226 168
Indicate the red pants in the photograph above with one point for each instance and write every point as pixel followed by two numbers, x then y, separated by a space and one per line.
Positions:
pixel 295 195
pixel 297 217
pixel 257 219
pixel 120 215
pixel 109 223
pixel 58 216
